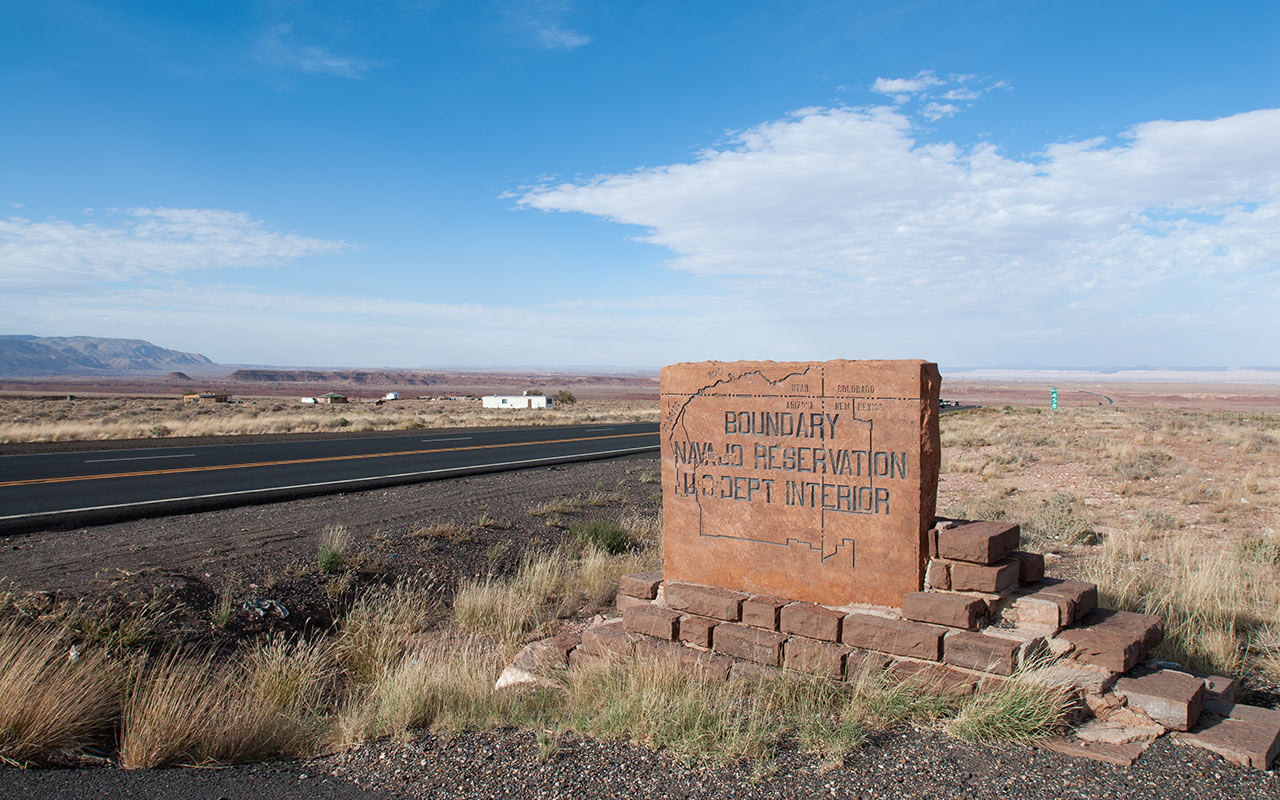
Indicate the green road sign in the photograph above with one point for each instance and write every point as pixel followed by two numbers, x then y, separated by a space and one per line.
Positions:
pixel 1053 398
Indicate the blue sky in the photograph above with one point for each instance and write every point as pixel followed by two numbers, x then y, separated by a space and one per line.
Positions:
pixel 573 184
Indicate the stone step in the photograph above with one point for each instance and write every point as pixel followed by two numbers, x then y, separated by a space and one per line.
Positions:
pixel 1247 742
pixel 1114 640
pixel 1173 699
pixel 976 542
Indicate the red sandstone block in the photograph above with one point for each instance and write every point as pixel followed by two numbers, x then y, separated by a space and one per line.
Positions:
pixel 641 584
pixel 1174 699
pixel 707 665
pixel 814 621
pixel 942 608
pixel 608 639
pixel 762 611
pixel 979 651
pixel 1114 640
pixel 1248 743
pixel 1083 596
pixel 706 601
pixel 967 577
pixel 933 677
pixel 751 644
pixel 894 636
pixel 625 601
pixel 655 621
pixel 1030 565
pixel 750 671
pixel 978 542
pixel 697 631
pixel 864 662
pixel 938 575
pixel 814 657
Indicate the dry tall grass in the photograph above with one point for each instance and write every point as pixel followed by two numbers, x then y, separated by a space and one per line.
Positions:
pixel 52 697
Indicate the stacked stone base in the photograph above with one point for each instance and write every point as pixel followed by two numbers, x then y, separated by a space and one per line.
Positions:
pixel 986 611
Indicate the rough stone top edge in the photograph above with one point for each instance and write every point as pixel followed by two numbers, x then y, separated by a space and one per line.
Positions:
pixel 868 362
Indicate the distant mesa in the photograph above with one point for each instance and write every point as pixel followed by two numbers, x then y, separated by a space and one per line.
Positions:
pixel 177 376
pixel 29 356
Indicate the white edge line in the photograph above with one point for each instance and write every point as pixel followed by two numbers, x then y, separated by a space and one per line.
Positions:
pixel 328 483
pixel 137 458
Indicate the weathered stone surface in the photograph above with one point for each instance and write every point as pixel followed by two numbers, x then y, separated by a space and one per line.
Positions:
pixel 1109 732
pixel 706 601
pixel 894 636
pixel 1114 640
pixel 697 631
pixel 1173 699
pixel 707 665
pixel 938 575
pixel 1068 674
pixel 641 584
pixel 978 542
pixel 1245 742
pixel 776 474
pixel 967 577
pixel 941 608
pixel 762 611
pixel 980 651
pixel 655 621
pixel 625 601
pixel 933 677
pixel 537 662
pixel 1049 612
pixel 1030 565
pixel 750 644
pixel 607 639
pixel 1120 754
pixel 1083 596
pixel 814 621
pixel 814 657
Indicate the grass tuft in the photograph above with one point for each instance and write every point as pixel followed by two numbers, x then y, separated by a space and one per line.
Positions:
pixel 332 552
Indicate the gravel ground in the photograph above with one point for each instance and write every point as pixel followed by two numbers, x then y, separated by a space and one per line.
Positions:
pixel 905 763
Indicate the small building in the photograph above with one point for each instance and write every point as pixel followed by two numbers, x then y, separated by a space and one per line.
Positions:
pixel 332 398
pixel 525 400
pixel 392 396
pixel 205 397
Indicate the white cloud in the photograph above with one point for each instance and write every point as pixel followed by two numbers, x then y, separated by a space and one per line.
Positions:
pixel 839 214
pixel 936 111
pixel 143 241
pixel 544 21
pixel 919 83
pixel 278 47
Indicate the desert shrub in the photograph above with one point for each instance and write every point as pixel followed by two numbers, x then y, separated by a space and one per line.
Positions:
pixel 332 552
pixel 610 537
pixel 1061 517
pixel 1134 464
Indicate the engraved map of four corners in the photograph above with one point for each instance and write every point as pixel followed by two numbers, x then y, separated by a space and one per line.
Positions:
pixel 796 496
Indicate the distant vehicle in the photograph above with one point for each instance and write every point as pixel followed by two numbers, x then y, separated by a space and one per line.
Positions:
pixel 307 400
pixel 392 396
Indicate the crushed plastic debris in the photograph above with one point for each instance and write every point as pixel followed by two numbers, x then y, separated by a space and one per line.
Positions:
pixel 261 606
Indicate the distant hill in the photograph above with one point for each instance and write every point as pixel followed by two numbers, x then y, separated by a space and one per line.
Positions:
pixel 22 356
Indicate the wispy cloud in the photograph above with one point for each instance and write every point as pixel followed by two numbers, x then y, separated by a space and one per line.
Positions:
pixel 544 20
pixel 279 47
pixel 140 242
pixel 895 86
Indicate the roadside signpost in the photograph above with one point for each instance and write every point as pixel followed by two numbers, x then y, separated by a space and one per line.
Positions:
pixel 1053 398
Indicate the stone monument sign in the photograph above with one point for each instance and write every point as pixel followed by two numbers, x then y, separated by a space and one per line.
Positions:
pixel 812 481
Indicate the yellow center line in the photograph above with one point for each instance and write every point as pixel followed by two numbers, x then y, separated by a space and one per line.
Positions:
pixel 180 470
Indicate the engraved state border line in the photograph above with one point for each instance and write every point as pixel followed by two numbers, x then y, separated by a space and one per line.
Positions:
pixel 315 460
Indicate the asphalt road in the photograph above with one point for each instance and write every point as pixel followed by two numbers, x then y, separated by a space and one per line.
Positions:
pixel 70 489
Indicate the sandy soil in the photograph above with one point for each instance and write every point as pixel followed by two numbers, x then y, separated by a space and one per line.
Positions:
pixel 1200 396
